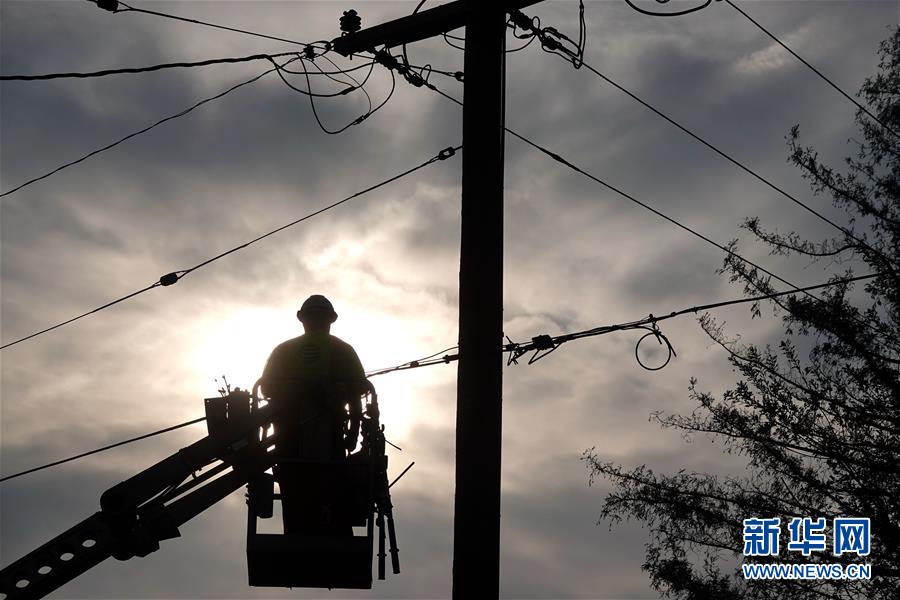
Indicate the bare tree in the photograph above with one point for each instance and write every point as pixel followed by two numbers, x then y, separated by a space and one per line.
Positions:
pixel 820 428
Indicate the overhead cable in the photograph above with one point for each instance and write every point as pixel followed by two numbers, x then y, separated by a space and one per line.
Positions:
pixel 624 194
pixel 177 65
pixel 813 69
pixel 140 131
pixel 104 448
pixel 560 159
pixel 676 13
pixel 175 276
pixel 550 42
pixel 543 345
pixel 539 344
pixel 113 6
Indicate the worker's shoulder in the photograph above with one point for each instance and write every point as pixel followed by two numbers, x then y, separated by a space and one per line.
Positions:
pixel 341 344
pixel 287 345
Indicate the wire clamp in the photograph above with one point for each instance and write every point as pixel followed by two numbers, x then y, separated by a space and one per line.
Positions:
pixel 168 279
pixel 446 153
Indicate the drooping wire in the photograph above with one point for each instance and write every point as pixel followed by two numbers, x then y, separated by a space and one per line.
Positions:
pixel 542 345
pixel 357 120
pixel 141 131
pixel 104 448
pixel 679 13
pixel 309 92
pixel 175 276
pixel 276 67
pixel 550 43
pixel 177 65
pixel 360 85
pixel 447 41
pixel 813 69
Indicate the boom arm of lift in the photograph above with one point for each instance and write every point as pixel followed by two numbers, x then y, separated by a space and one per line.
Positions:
pixel 138 513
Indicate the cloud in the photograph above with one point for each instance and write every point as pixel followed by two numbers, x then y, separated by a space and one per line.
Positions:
pixel 577 255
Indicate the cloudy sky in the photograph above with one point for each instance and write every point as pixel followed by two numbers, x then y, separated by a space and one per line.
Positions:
pixel 576 256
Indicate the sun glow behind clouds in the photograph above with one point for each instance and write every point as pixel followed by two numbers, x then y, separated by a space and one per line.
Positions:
pixel 239 344
pixel 236 343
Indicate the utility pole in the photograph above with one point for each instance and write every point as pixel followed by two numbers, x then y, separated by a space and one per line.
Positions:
pixel 476 542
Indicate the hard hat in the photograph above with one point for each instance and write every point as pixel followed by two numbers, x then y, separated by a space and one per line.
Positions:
pixel 315 306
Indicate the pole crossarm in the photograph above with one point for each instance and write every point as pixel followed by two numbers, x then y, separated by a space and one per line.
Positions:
pixel 417 26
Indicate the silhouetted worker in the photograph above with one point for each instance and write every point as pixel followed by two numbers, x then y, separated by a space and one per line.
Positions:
pixel 315 382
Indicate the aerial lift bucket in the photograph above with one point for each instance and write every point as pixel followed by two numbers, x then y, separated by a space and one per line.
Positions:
pixel 357 487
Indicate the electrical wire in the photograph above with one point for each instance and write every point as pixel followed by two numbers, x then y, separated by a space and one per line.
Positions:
pixel 538 343
pixel 813 69
pixel 140 131
pixel 356 121
pixel 104 448
pixel 679 13
pixel 309 92
pixel 544 342
pixel 276 68
pixel 543 34
pixel 566 162
pixel 177 65
pixel 633 199
pixel 81 316
pixel 418 360
pixel 207 24
pixel 175 276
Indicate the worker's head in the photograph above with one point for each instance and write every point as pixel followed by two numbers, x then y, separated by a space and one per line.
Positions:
pixel 317 314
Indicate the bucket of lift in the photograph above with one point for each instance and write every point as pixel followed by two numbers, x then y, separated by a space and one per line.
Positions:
pixel 356 488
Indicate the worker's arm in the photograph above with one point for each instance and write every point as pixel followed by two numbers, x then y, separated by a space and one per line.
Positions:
pixel 356 387
pixel 272 373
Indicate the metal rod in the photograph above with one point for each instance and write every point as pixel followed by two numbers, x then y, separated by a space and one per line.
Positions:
pixel 396 479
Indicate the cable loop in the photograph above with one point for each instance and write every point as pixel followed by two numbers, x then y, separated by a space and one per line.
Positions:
pixel 654 331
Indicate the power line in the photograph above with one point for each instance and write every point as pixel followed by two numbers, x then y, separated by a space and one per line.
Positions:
pixel 277 68
pixel 822 76
pixel 540 343
pixel 628 196
pixel 104 448
pixel 139 132
pixel 128 8
pixel 442 155
pixel 81 316
pixel 551 44
pixel 385 59
pixel 177 65
pixel 415 362
pixel 544 344
pixel 175 276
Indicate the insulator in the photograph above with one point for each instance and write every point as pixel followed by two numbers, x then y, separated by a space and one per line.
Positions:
pixel 350 22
